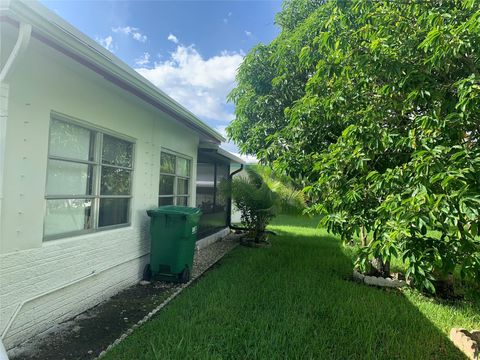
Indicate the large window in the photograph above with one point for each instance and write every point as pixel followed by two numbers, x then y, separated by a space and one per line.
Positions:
pixel 174 186
pixel 89 180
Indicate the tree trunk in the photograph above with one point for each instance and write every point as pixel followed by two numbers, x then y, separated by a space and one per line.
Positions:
pixel 380 268
pixel 363 236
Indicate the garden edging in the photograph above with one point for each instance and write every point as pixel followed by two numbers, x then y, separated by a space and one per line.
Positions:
pixel 467 341
pixel 378 281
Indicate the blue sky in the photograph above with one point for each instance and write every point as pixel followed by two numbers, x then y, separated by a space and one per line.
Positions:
pixel 189 49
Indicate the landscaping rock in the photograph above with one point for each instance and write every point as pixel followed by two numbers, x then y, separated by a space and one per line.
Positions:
pixel 468 342
pixel 378 281
pixel 144 282
pixel 358 276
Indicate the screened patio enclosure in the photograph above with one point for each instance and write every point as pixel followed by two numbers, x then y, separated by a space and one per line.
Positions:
pixel 212 169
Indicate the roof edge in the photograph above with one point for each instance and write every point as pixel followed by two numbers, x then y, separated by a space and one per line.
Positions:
pixel 64 35
pixel 234 158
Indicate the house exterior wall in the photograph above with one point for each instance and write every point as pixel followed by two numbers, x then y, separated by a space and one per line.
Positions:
pixel 45 81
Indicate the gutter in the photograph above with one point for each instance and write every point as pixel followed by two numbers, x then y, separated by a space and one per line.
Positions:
pixel 60 35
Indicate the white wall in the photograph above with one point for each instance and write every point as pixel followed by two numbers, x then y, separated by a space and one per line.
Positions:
pixel 44 81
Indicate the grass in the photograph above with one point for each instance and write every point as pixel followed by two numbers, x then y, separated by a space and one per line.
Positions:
pixel 293 301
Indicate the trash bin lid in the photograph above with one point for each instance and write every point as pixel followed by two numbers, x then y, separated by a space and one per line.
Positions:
pixel 174 210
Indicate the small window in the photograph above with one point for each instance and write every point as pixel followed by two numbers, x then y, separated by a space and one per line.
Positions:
pixel 89 180
pixel 174 188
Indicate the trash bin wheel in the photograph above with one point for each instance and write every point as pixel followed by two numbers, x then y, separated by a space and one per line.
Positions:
pixel 185 275
pixel 147 273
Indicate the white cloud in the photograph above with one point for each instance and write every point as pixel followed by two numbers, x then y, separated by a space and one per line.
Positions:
pixel 106 42
pixel 139 37
pixel 133 31
pixel 143 60
pixel 225 19
pixel 201 85
pixel 248 33
pixel 172 38
pixel 126 30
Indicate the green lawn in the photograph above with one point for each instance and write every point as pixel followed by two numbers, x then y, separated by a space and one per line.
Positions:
pixel 292 301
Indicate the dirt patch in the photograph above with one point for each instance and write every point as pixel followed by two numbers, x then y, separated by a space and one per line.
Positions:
pixel 86 335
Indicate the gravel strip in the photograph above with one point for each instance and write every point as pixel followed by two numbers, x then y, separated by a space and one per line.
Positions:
pixel 107 324
pixel 205 257
pixel 202 261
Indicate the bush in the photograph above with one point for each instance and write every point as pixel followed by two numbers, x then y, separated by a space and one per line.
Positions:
pixel 260 196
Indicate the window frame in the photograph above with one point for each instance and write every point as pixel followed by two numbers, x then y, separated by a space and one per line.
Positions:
pixel 175 176
pixel 97 164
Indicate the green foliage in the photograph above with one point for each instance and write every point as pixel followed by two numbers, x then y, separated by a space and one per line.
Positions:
pixel 290 199
pixel 291 302
pixel 377 105
pixel 260 196
pixel 255 201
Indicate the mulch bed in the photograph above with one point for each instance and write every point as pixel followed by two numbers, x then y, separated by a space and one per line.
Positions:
pixel 91 332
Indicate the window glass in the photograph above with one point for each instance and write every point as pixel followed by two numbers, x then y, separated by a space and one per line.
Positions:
pixel 68 178
pixel 67 215
pixel 183 167
pixel 182 200
pixel 113 211
pixel 167 163
pixel 115 181
pixel 166 185
pixel 182 186
pixel 175 184
pixel 165 201
pixel 70 141
pixel 78 169
pixel 116 152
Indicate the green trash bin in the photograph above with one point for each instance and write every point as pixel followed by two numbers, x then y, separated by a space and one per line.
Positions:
pixel 173 233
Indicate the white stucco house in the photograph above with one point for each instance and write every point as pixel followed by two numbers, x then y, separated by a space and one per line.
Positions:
pixel 86 146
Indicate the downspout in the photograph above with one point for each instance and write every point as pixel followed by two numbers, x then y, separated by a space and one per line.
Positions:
pixel 24 34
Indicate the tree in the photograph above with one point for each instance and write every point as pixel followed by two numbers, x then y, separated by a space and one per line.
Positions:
pixel 377 104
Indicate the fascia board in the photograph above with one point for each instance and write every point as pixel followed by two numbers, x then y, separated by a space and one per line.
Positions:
pixel 66 36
